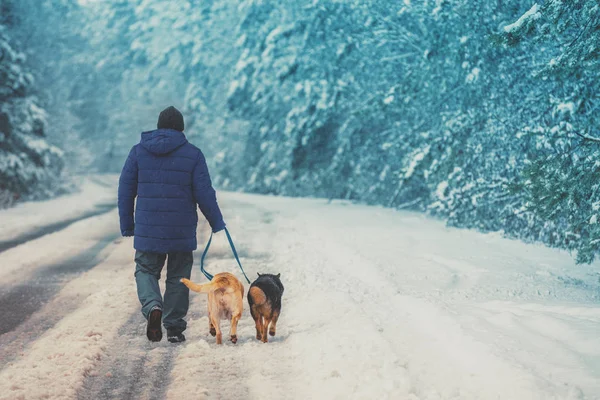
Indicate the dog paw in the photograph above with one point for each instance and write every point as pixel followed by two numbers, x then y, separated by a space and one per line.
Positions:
pixel 272 332
pixel 213 332
pixel 234 339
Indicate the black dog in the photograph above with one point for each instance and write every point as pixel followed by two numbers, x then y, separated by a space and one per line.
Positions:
pixel 264 298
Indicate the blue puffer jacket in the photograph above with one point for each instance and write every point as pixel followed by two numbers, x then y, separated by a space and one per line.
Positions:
pixel 169 176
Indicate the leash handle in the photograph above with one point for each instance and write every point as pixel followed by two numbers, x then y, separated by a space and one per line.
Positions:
pixel 208 275
pixel 205 272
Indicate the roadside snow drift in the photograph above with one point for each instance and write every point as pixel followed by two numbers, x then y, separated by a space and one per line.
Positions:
pixel 97 192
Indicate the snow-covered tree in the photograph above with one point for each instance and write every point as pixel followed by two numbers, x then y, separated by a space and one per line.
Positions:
pixel 438 106
pixel 562 182
pixel 480 113
pixel 28 164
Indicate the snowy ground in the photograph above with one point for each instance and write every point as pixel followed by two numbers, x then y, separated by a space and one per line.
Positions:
pixel 28 221
pixel 378 304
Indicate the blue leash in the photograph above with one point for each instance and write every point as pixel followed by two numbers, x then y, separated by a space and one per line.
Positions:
pixel 207 274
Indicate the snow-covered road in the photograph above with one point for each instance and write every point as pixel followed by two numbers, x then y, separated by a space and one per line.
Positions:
pixel 379 304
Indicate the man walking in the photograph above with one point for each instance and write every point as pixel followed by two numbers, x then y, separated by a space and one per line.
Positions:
pixel 169 177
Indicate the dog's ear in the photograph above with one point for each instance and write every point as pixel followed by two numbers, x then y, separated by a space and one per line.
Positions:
pixel 279 275
pixel 258 273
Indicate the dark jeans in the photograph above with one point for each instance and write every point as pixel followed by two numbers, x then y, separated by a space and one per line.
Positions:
pixel 177 295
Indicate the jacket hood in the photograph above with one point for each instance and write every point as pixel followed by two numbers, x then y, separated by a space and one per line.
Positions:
pixel 162 141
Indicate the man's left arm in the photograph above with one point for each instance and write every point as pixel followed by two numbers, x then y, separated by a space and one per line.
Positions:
pixel 127 193
pixel 205 195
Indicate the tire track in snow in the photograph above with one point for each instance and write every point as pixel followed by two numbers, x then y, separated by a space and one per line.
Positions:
pixel 15 342
pixel 53 228
pixel 20 302
pixel 55 365
pixel 134 367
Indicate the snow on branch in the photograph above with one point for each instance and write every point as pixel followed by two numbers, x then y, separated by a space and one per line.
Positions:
pixel 588 137
pixel 525 19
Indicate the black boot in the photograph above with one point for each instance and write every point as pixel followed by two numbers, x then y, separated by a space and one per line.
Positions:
pixel 153 329
pixel 175 336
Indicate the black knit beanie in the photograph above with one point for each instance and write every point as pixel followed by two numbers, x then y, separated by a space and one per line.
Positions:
pixel 170 118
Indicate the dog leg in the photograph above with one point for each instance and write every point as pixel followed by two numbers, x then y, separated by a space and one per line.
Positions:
pixel 233 332
pixel 265 326
pixel 211 327
pixel 216 324
pixel 273 326
pixel 258 330
pixel 257 321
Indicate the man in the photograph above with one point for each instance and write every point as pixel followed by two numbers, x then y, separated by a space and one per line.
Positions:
pixel 169 176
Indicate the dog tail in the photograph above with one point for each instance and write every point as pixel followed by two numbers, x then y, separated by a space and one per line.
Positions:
pixel 204 288
pixel 258 296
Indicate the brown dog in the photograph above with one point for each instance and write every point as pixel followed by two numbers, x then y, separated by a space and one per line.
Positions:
pixel 264 298
pixel 225 301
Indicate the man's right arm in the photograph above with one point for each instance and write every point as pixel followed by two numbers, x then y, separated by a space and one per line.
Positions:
pixel 127 193
pixel 205 195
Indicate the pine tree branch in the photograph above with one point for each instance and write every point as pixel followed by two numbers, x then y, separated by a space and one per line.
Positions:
pixel 581 32
pixel 588 137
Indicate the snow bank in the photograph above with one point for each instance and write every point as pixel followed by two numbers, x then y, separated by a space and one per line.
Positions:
pixel 29 216
pixel 23 261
